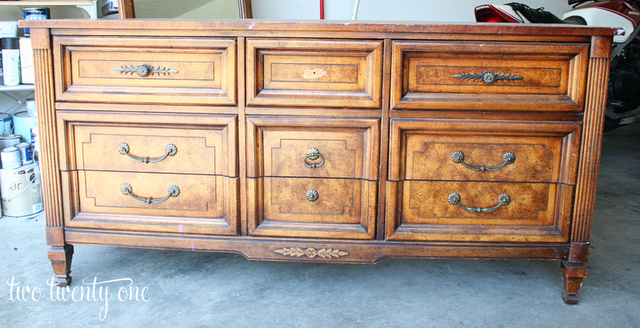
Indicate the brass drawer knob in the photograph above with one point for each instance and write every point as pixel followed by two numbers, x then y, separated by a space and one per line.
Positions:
pixel 169 150
pixel 455 199
pixel 507 158
pixel 127 190
pixel 313 154
pixel 312 195
pixel 488 77
pixel 144 70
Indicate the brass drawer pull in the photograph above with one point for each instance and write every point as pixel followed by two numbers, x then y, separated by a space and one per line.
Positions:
pixel 127 190
pixel 507 158
pixel 488 77
pixel 144 70
pixel 312 155
pixel 312 195
pixel 169 150
pixel 503 200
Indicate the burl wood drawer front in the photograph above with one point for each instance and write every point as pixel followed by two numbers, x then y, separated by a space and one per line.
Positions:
pixel 489 75
pixel 314 208
pixel 170 203
pixel 509 212
pixel 194 71
pixel 313 147
pixel 314 73
pixel 183 144
pixel 483 151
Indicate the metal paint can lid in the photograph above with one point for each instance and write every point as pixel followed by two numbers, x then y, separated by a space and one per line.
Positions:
pixel 10 158
pixel 9 140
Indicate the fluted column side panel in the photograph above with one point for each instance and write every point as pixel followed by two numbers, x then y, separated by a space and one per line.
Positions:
pixel 45 102
pixel 590 149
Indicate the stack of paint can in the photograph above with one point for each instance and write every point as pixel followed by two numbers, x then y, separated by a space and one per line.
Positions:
pixel 8 29
pixel 20 186
pixel 34 132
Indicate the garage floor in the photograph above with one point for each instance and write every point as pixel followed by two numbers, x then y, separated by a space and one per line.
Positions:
pixel 187 289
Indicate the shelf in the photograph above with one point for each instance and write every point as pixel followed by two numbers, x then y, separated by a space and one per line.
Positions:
pixel 21 87
pixel 89 6
pixel 47 3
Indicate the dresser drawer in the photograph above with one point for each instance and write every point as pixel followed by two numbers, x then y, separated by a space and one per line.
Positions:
pixel 195 71
pixel 182 144
pixel 313 147
pixel 316 208
pixel 489 76
pixel 493 211
pixel 314 73
pixel 483 151
pixel 171 203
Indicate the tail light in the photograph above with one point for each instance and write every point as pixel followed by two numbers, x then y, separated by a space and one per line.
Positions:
pixel 491 14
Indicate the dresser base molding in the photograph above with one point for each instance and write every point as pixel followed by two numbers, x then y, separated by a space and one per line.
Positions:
pixel 322 142
pixel 358 252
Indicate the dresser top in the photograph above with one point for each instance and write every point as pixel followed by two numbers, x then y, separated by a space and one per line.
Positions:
pixel 381 28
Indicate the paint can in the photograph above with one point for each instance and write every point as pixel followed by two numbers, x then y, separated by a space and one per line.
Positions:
pixel 22 124
pixel 26 152
pixel 21 191
pixel 109 7
pixel 6 124
pixel 35 143
pixel 35 14
pixel 31 107
pixel 9 141
pixel 8 29
pixel 10 158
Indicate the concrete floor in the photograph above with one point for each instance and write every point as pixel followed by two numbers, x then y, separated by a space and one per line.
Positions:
pixel 187 289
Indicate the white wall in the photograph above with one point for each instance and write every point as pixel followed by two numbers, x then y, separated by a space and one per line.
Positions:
pixel 405 10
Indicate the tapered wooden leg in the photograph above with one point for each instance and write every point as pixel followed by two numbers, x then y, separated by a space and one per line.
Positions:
pixel 572 274
pixel 60 257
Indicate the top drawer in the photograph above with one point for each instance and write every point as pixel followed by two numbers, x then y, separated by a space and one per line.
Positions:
pixel 314 73
pixel 489 76
pixel 198 71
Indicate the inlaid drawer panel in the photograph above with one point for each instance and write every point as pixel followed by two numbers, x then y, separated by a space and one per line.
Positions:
pixel 478 211
pixel 195 71
pixel 183 144
pixel 483 151
pixel 318 208
pixel 173 203
pixel 310 147
pixel 488 75
pixel 326 73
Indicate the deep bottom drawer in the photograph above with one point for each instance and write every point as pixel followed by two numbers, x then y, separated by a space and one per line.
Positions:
pixel 184 204
pixel 478 211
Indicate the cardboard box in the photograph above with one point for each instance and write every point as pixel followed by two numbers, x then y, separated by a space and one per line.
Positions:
pixel 26 61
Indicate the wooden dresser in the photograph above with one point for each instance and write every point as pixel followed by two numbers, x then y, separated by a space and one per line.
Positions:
pixel 322 141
